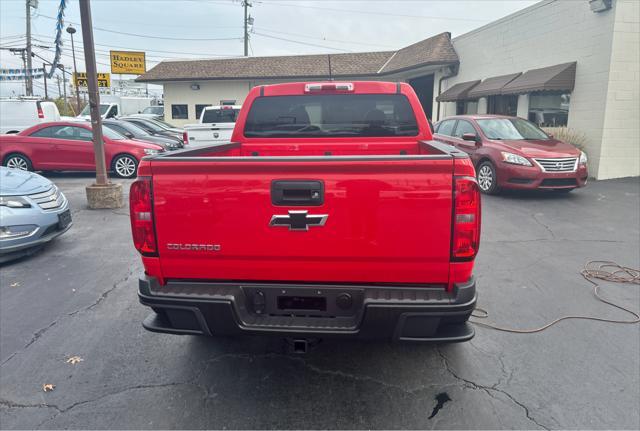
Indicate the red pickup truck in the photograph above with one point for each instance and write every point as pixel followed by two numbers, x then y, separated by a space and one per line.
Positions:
pixel 330 213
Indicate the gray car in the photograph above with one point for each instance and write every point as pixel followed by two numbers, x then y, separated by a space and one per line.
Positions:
pixel 32 212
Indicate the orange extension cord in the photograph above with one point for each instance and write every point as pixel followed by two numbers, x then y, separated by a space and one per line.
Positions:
pixel 595 269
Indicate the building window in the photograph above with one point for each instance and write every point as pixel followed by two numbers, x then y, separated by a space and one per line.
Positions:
pixel 179 112
pixel 503 105
pixel 199 109
pixel 549 109
pixel 466 107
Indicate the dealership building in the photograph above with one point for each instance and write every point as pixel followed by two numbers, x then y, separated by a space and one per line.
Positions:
pixel 573 64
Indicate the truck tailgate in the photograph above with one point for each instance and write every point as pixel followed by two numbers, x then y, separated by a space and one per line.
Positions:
pixel 388 221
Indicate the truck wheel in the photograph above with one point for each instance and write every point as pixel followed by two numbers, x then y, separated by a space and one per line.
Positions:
pixel 125 166
pixel 18 161
pixel 487 178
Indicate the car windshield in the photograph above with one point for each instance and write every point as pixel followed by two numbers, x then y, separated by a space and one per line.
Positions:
pixel 103 109
pixel 132 128
pixel 156 110
pixel 148 125
pixel 344 115
pixel 510 128
pixel 163 124
pixel 112 134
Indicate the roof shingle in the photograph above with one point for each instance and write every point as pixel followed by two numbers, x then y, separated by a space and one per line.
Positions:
pixel 435 50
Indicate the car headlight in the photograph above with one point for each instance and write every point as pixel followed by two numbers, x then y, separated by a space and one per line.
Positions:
pixel 515 159
pixel 14 202
pixel 583 158
pixel 150 152
pixel 17 231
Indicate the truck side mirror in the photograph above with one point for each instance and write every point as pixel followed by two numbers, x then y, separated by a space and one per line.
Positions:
pixel 471 137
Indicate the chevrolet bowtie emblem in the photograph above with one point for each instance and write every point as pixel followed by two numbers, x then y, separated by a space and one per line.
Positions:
pixel 298 220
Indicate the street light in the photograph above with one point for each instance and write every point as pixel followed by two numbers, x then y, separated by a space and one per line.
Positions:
pixel 71 31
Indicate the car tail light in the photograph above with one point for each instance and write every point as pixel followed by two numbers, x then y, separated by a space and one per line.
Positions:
pixel 185 138
pixel 334 86
pixel 40 111
pixel 141 210
pixel 466 219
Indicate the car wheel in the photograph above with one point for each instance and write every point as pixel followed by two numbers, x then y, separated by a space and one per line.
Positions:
pixel 125 166
pixel 487 179
pixel 18 161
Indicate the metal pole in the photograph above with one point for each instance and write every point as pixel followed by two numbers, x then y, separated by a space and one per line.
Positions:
pixel 28 71
pixel 71 31
pixel 245 3
pixel 94 95
pixel 24 64
pixel 64 84
pixel 58 80
pixel 44 75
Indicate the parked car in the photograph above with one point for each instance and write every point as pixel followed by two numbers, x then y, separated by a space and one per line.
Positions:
pixel 215 126
pixel 32 212
pixel 514 153
pixel 19 113
pixel 67 146
pixel 153 112
pixel 112 106
pixel 312 222
pixel 131 131
pixel 156 127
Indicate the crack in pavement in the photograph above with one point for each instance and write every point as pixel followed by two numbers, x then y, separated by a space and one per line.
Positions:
pixel 60 411
pixel 488 389
pixel 40 332
pixel 534 217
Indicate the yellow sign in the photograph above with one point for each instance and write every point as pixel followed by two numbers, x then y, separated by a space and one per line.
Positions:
pixel 128 62
pixel 80 80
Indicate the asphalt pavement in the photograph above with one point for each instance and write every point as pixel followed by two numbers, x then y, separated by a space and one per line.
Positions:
pixel 77 297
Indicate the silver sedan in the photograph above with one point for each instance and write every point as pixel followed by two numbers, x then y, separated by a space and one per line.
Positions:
pixel 32 212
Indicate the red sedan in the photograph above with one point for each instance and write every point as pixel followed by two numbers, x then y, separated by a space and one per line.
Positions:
pixel 67 146
pixel 513 153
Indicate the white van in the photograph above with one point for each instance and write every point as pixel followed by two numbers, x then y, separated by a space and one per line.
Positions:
pixel 112 106
pixel 17 114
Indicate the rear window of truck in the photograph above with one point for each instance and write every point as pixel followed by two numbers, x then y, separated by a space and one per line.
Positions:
pixel 220 115
pixel 340 115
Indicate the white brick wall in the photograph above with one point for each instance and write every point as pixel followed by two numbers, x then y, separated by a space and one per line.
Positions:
pixel 553 32
pixel 620 153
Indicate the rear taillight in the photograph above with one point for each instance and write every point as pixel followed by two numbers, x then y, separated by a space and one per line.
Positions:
pixel 141 210
pixel 40 111
pixel 185 139
pixel 466 219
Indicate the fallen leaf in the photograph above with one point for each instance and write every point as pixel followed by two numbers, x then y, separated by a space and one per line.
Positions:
pixel 48 387
pixel 74 360
pixel 15 284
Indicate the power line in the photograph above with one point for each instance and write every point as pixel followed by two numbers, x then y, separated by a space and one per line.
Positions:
pixel 301 43
pixel 322 38
pixel 370 12
pixel 156 37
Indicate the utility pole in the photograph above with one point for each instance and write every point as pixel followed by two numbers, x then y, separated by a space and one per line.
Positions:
pixel 246 5
pixel 29 79
pixel 64 84
pixel 44 75
pixel 102 194
pixel 58 80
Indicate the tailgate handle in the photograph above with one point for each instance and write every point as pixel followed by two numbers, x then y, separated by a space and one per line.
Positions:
pixel 297 193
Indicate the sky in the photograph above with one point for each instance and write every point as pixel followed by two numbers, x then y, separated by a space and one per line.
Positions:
pixel 182 29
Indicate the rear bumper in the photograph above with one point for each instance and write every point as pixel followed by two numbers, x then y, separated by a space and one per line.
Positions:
pixel 425 314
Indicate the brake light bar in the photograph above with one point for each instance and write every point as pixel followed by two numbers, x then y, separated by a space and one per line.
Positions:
pixel 465 240
pixel 334 86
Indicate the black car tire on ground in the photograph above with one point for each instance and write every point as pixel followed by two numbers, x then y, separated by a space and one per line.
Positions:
pixel 487 178
pixel 18 161
pixel 125 166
